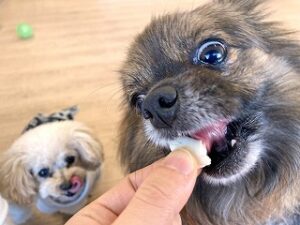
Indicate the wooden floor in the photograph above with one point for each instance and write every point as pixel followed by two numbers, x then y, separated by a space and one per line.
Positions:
pixel 73 59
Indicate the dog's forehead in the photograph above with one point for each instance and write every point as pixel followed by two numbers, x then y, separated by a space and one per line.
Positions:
pixel 167 44
pixel 161 49
pixel 174 35
pixel 170 38
pixel 46 141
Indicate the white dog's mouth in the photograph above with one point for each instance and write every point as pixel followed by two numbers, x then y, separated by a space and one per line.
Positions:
pixel 73 193
pixel 76 185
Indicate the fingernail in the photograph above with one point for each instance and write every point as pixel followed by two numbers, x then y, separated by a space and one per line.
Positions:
pixel 182 161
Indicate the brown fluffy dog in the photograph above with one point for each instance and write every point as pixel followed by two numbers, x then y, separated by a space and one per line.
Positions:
pixel 221 74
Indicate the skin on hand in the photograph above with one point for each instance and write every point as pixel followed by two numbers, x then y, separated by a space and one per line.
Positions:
pixel 150 196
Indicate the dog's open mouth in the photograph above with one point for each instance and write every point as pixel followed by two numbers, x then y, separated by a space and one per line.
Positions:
pixel 211 134
pixel 220 138
pixel 78 186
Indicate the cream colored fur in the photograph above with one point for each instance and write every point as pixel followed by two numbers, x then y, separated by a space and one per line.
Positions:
pixel 47 146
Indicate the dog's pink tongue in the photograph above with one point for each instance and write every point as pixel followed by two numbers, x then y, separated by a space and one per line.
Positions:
pixel 211 133
pixel 77 183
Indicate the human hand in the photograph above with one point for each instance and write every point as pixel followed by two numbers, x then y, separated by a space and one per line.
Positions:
pixel 150 196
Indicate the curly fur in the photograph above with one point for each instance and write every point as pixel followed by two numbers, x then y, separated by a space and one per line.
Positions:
pixel 259 86
pixel 47 146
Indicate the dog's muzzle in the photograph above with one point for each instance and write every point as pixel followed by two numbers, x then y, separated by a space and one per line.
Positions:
pixel 49 205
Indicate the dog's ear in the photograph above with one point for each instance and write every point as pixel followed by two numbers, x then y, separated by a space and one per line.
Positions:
pixel 17 184
pixel 87 146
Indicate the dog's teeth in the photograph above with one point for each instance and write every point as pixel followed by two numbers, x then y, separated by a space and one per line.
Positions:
pixel 233 142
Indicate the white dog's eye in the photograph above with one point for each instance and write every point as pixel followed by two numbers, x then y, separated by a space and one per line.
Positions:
pixel 70 160
pixel 45 172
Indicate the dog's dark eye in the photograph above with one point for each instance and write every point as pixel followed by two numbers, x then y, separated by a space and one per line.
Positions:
pixel 210 52
pixel 45 172
pixel 70 160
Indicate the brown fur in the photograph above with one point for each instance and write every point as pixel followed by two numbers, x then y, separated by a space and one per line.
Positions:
pixel 260 81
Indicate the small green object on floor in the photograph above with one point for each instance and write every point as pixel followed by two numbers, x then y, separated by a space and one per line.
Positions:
pixel 24 31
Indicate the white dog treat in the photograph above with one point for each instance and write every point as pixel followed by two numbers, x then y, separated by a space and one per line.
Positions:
pixel 195 146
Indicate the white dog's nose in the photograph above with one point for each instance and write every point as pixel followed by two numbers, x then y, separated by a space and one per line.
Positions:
pixel 73 185
pixel 66 185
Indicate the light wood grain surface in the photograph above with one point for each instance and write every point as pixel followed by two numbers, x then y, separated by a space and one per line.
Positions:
pixel 77 48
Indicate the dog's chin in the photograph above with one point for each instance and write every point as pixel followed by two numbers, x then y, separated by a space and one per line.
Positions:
pixel 234 149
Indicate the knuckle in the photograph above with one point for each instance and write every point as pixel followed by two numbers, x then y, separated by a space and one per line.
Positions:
pixel 154 194
pixel 159 191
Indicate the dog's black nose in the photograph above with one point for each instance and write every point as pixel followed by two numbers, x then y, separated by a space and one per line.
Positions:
pixel 160 106
pixel 66 185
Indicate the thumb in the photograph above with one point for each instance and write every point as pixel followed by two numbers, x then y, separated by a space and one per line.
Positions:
pixel 164 192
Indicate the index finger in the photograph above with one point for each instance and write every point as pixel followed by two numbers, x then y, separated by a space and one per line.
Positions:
pixel 105 209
